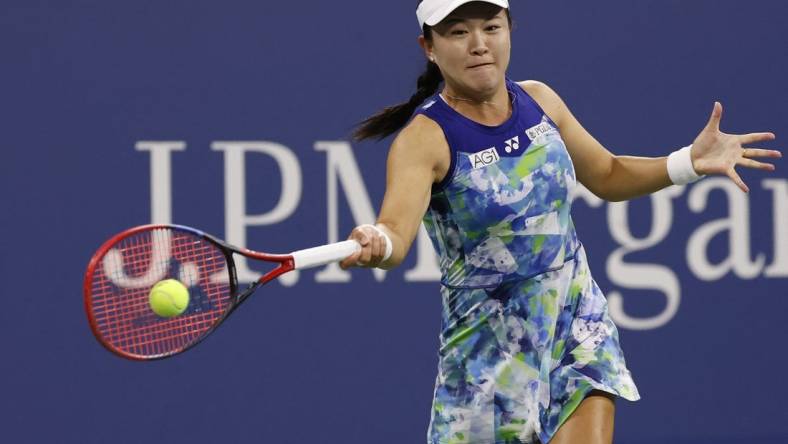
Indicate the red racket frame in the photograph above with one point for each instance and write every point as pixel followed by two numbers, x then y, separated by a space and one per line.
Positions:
pixel 286 264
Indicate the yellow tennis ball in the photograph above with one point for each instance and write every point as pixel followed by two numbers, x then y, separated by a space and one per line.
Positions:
pixel 168 298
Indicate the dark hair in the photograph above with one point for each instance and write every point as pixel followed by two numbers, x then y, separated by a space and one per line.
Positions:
pixel 393 118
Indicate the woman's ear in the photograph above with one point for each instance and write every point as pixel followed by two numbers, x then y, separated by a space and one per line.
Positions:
pixel 427 48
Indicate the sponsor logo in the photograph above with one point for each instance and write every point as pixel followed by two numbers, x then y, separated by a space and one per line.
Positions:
pixel 538 130
pixel 677 218
pixel 512 144
pixel 484 158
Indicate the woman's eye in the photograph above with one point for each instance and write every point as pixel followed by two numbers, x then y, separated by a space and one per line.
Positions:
pixel 493 27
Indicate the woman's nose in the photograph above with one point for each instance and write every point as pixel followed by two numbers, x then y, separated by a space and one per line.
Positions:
pixel 478 44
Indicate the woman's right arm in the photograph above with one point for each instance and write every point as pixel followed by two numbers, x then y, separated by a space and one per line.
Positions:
pixel 418 157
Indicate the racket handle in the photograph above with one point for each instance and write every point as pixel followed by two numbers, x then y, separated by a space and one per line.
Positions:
pixel 317 256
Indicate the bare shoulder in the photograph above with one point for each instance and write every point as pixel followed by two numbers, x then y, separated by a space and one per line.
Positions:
pixel 420 130
pixel 422 137
pixel 422 144
pixel 546 97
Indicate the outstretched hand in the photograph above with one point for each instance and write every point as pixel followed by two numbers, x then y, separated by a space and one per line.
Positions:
pixel 714 152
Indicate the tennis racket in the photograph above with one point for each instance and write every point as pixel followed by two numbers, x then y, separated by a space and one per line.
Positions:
pixel 122 272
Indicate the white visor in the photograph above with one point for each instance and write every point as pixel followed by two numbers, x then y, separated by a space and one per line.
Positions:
pixel 431 12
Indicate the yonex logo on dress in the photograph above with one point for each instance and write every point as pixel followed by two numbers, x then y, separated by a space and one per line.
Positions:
pixel 484 158
pixel 537 130
pixel 512 144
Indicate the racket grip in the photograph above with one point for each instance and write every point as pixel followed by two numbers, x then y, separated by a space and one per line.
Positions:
pixel 325 254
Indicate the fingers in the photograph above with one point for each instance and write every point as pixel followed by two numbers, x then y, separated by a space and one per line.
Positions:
pixel 756 137
pixel 749 153
pixel 372 248
pixel 355 258
pixel 377 252
pixel 749 163
pixel 365 240
pixel 737 180
pixel 350 260
pixel 756 152
pixel 716 116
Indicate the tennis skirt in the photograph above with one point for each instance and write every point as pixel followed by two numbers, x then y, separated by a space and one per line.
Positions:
pixel 517 359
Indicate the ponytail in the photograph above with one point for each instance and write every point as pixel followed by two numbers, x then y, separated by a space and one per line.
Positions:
pixel 393 118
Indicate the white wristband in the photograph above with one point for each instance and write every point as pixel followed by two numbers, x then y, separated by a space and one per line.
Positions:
pixel 680 167
pixel 389 246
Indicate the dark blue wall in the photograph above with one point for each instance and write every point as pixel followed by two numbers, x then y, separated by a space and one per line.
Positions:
pixel 86 83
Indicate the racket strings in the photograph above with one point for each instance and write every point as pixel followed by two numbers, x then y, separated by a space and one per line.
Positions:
pixel 119 301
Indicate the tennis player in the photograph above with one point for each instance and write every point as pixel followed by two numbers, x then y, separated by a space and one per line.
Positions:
pixel 528 352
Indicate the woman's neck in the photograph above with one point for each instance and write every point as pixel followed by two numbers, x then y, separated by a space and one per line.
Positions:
pixel 491 110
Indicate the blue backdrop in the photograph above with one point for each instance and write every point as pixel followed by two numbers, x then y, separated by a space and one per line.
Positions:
pixel 121 113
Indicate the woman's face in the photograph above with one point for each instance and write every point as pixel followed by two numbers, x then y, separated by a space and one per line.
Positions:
pixel 472 47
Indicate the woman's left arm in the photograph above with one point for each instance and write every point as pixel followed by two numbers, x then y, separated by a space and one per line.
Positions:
pixel 617 178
